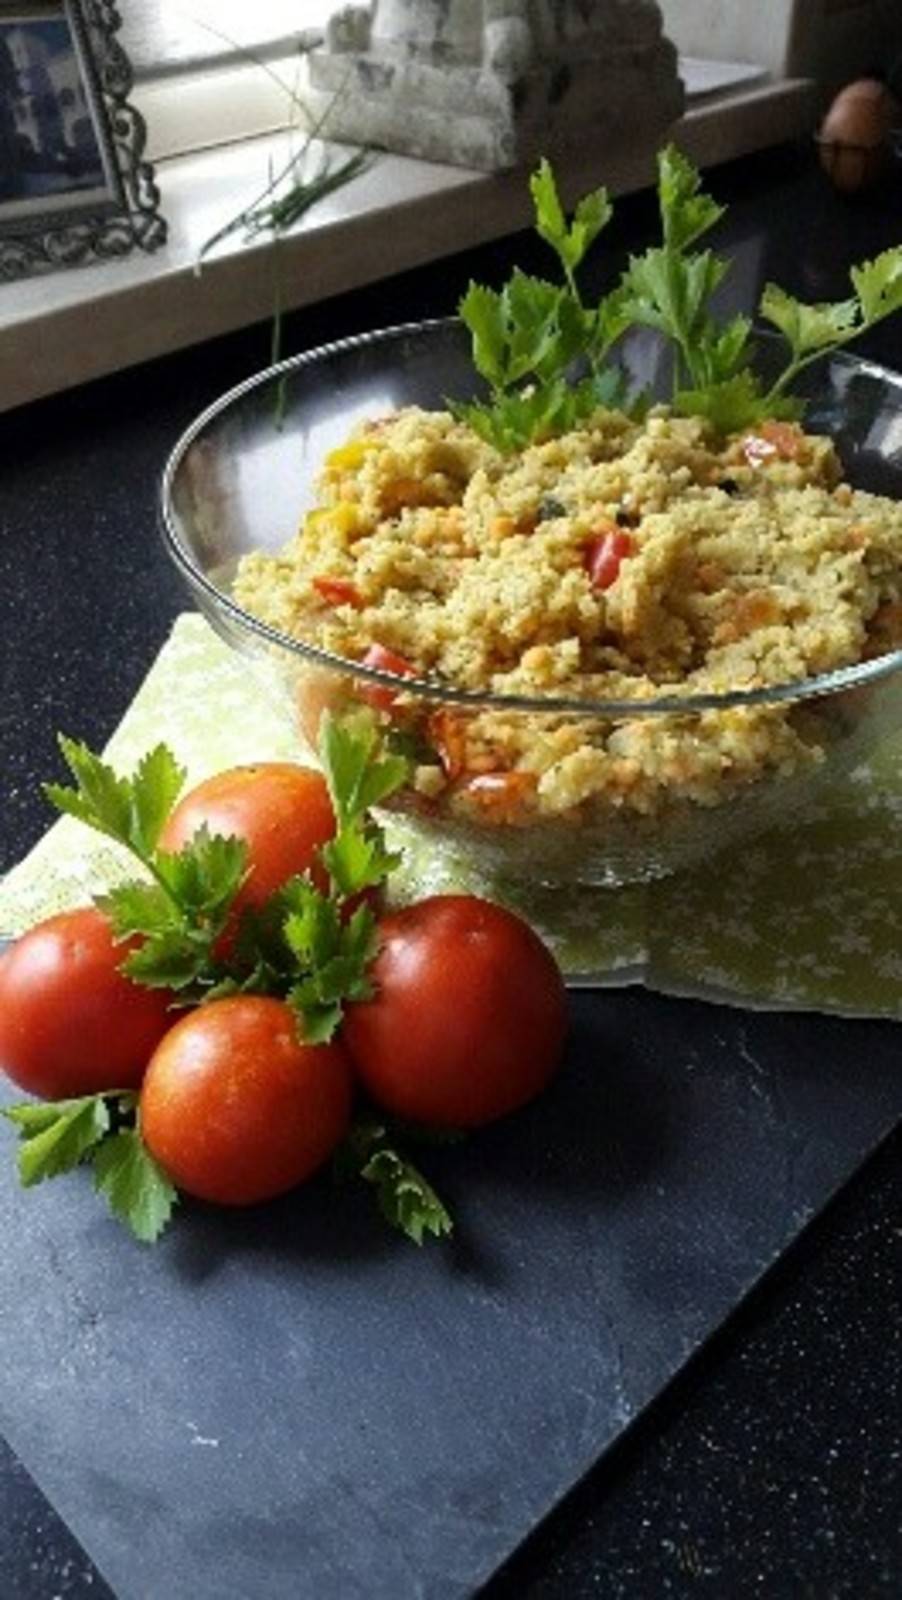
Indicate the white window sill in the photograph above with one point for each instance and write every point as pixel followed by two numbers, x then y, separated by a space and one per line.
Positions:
pixel 68 327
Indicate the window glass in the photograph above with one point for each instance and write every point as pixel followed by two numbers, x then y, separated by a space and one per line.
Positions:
pixel 167 36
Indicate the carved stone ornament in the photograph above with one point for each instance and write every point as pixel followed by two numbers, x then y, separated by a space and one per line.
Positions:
pixel 493 84
pixel 74 186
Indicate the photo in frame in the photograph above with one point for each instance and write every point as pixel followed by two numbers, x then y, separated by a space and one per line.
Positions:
pixel 74 186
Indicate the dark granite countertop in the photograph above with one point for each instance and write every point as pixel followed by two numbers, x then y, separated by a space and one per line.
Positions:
pixel 771 1467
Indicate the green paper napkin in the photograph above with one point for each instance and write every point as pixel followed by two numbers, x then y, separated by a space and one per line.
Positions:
pixel 808 917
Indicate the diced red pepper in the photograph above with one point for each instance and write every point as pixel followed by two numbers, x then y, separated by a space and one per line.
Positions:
pixel 337 592
pixel 603 555
pixel 384 660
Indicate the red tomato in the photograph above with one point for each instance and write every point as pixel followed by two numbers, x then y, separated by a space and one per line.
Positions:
pixel 773 439
pixel 281 811
pixel 447 730
pixel 469 1015
pixel 235 1108
pixel 337 592
pixel 603 555
pixel 382 699
pixel 70 1022
pixel 501 796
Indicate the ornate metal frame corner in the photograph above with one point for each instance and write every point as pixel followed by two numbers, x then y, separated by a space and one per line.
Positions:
pixel 128 216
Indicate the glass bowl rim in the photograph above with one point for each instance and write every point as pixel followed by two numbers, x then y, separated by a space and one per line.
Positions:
pixel 827 683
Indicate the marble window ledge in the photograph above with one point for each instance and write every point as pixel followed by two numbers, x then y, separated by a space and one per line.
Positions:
pixel 63 329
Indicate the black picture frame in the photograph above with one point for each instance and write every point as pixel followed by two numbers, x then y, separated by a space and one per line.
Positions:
pixel 74 184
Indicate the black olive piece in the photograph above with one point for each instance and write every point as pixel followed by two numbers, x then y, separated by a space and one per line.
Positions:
pixel 626 519
pixel 549 508
pixel 730 486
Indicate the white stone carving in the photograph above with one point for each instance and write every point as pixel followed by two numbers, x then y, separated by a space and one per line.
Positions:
pixel 493 84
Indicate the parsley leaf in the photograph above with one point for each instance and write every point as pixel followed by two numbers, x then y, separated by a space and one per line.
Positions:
pixel 405 1198
pixel 669 288
pixel 531 330
pixel 609 322
pixel 204 877
pixel 176 958
pixel 137 1189
pixel 542 412
pixel 333 956
pixel 359 776
pixel 723 352
pixel 807 327
pixel 513 420
pixel 155 787
pixel 56 1135
pixel 878 285
pixel 483 312
pixel 181 914
pixel 138 907
pixel 407 1201
pixel 812 331
pixel 570 244
pixel 527 336
pixel 671 293
pixel 547 328
pixel 735 403
pixel 183 906
pixel 357 859
pixel 312 925
pixel 130 810
pixel 686 213
pixel 101 799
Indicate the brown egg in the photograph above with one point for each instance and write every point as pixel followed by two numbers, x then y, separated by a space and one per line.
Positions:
pixel 854 136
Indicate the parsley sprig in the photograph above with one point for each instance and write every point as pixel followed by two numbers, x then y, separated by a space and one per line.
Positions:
pixel 405 1198
pixel 358 777
pixel 311 948
pixel 299 945
pixel 101 1129
pixel 717 368
pixel 670 286
pixel 333 955
pixel 180 908
pixel 813 331
pixel 529 337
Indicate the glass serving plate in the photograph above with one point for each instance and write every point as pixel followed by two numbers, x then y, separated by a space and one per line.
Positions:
pixel 243 474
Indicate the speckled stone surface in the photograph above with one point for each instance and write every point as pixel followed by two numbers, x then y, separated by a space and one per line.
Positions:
pixel 755 1475
pixel 772 1468
pixel 728 1486
pixel 302 1400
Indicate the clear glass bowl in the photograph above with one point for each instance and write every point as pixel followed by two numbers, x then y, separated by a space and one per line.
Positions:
pixel 242 475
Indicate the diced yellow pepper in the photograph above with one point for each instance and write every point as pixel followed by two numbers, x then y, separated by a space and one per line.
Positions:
pixel 348 456
pixel 315 520
pixel 343 518
pixel 346 517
